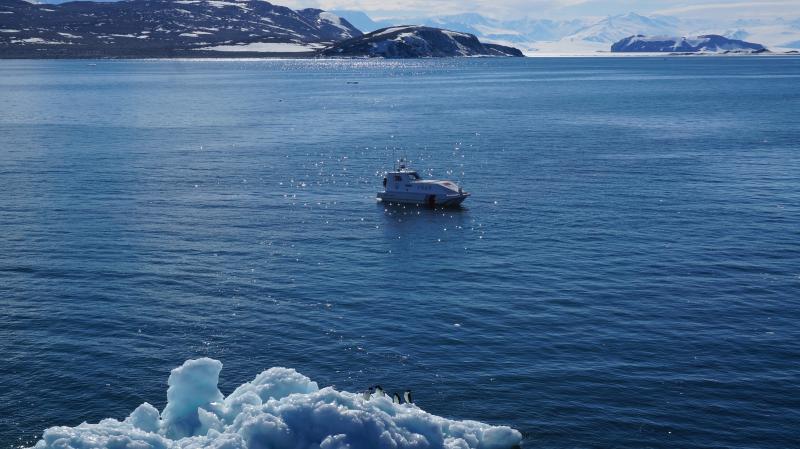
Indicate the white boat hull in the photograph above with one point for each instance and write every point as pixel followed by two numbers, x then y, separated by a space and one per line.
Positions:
pixel 432 200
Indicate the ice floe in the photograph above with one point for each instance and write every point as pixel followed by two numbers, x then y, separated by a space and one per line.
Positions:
pixel 279 409
pixel 268 47
pixel 36 40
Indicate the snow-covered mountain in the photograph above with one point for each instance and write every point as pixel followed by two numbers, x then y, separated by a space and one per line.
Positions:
pixel 777 34
pixel 163 28
pixel 612 29
pixel 514 31
pixel 363 21
pixel 598 36
pixel 699 44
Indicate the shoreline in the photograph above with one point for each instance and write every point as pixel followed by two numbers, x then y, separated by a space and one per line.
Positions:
pixel 608 54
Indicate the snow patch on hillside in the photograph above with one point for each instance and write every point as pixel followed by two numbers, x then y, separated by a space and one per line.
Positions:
pixel 333 19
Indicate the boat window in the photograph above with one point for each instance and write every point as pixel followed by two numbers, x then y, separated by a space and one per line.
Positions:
pixel 414 176
pixel 397 177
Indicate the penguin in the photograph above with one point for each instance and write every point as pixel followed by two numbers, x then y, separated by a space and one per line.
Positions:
pixel 378 391
pixel 407 397
pixel 367 393
pixel 396 398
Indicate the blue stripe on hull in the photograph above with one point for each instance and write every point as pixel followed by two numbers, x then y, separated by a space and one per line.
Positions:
pixel 422 199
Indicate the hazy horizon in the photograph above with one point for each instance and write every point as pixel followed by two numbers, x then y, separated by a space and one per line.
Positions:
pixel 556 9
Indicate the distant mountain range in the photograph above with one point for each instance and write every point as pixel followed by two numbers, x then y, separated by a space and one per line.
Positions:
pixel 523 30
pixel 593 35
pixel 699 44
pixel 159 28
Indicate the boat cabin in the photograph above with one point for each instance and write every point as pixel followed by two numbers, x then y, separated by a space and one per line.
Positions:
pixel 401 179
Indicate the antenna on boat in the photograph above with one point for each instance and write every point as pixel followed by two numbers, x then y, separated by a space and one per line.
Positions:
pixel 394 154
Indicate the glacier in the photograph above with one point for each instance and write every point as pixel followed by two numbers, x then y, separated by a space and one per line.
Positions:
pixel 279 409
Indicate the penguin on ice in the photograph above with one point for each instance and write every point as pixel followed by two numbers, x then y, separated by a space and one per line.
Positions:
pixel 396 398
pixel 368 393
pixel 407 397
pixel 378 391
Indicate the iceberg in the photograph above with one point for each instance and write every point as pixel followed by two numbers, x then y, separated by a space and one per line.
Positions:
pixel 279 409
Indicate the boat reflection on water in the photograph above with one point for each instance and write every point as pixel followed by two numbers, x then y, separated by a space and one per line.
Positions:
pixel 420 223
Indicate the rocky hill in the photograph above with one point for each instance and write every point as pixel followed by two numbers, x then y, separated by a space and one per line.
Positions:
pixel 412 41
pixel 711 43
pixel 158 28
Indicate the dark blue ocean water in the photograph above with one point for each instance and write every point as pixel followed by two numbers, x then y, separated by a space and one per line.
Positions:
pixel 626 274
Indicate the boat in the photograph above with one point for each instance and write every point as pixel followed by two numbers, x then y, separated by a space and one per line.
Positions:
pixel 404 185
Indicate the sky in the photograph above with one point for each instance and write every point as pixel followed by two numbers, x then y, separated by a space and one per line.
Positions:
pixel 560 9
